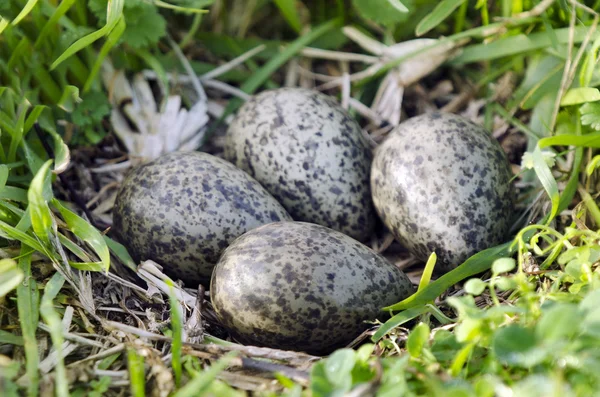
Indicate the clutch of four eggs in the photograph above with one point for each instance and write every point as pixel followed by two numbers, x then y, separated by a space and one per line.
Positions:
pixel 438 182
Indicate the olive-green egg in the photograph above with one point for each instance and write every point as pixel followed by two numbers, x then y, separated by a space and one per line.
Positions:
pixel 184 208
pixel 305 149
pixel 441 184
pixel 301 286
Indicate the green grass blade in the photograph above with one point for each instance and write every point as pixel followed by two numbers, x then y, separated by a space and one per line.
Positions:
pixel 399 319
pixel 16 234
pixel 24 12
pixel 111 41
pixel 288 10
pixel 11 339
pixel 18 134
pixel 3 24
pixel 580 95
pixel 86 232
pixel 259 78
pixel 13 193
pixel 61 10
pixel 33 116
pixel 588 140
pixel 429 266
pixel 52 318
pixel 517 45
pixel 176 327
pixel 69 98
pixel 157 67
pixel 88 266
pixel 10 276
pixel 41 217
pixel 3 176
pixel 478 263
pixel 263 74
pixel 542 170
pixel 120 252
pixel 174 7
pixel 28 309
pixel 437 16
pixel 135 363
pixel 62 154
pixel 202 381
pixel 83 42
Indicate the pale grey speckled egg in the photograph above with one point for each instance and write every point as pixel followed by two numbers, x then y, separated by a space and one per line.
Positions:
pixel 310 154
pixel 302 286
pixel 183 209
pixel 442 183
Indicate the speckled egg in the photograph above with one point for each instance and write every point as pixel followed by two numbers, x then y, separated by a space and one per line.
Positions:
pixel 302 286
pixel 309 154
pixel 183 209
pixel 442 183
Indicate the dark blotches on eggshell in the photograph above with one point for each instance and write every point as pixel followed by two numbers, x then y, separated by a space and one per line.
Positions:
pixel 302 286
pixel 305 149
pixel 184 208
pixel 442 183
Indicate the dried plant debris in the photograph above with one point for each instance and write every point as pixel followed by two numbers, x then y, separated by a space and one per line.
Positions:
pixel 66 323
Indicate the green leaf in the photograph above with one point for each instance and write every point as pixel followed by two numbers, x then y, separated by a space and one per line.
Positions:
pixel 145 26
pixel 521 43
pixel 384 12
pixel 580 95
pixel 399 319
pixel 156 67
pixel 513 345
pixel 111 41
pixel 12 339
pixel 137 373
pixel 3 176
pixel 14 233
pixel 590 115
pixel 198 385
pixel 176 328
pixel 120 252
pixel 3 24
pixel 417 339
pixel 69 98
pixel 338 368
pixel 115 10
pixel 547 180
pixel 51 317
pixel 28 309
pixel 437 16
pixel 503 265
pixel 10 276
pixel 589 140
pixel 560 320
pixel 86 232
pixel 475 286
pixel 62 154
pixel 24 11
pixel 41 217
pixel 93 107
pixel 476 264
pixel 61 10
pixel 188 10
pixel 587 67
pixel 429 266
pixel 258 78
pixel 288 10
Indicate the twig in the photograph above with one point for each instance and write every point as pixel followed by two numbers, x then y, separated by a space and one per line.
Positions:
pixel 338 55
pixel 218 71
